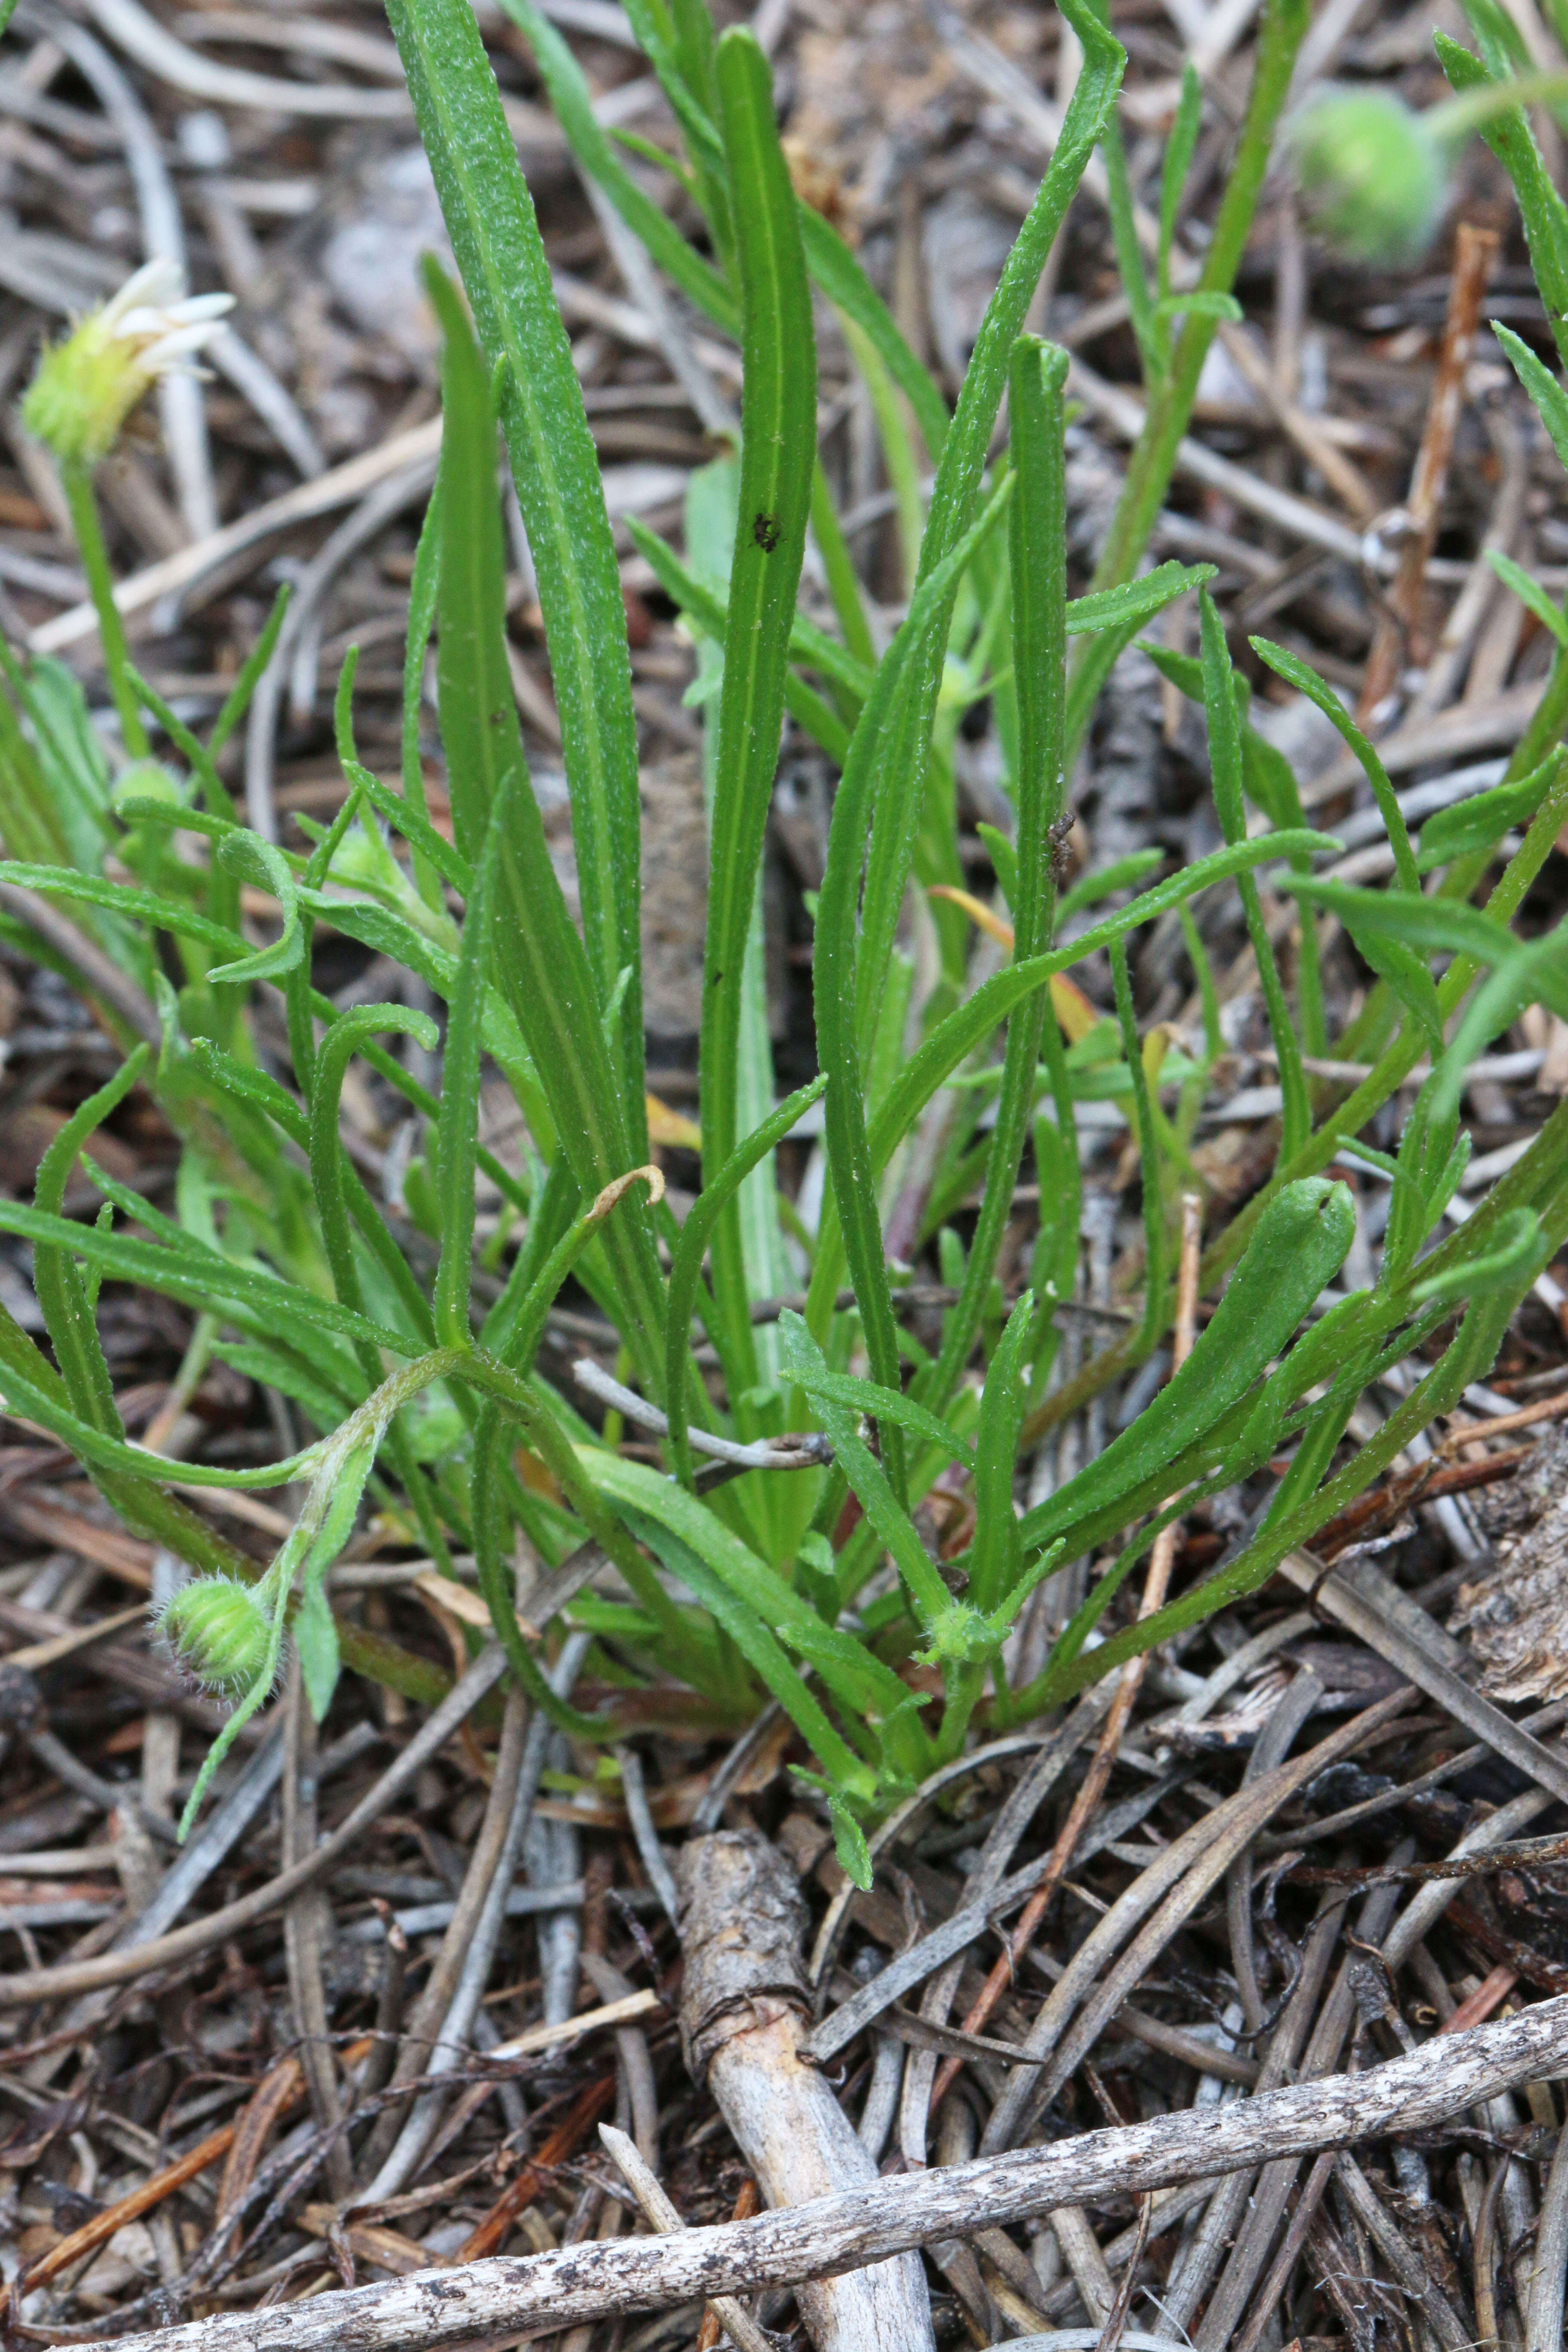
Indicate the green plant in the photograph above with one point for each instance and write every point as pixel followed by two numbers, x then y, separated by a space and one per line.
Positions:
pixel 763 1583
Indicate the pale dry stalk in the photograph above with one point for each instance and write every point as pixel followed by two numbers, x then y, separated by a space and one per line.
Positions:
pixel 1398 627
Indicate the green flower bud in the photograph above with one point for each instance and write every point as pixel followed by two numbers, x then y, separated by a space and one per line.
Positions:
pixel 219 1631
pixel 1373 174
pixel 87 386
pixel 147 780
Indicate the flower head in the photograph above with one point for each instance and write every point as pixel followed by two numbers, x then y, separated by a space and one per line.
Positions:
pixel 87 386
pixel 219 1631
pixel 1373 174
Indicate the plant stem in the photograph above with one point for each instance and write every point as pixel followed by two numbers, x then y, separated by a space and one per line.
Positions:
pixel 1171 403
pixel 1457 117
pixel 77 479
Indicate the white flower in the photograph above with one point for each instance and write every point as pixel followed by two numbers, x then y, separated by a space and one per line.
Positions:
pixel 87 386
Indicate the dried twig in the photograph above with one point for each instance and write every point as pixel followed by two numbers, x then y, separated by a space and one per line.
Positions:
pixel 835 2235
pixel 1474 249
pixel 661 2215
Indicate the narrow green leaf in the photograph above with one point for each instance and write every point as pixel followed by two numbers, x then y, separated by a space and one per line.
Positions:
pixel 1541 209
pixel 696 1232
pixel 1469 1358
pixel 901 796
pixel 574 105
pixel 1135 601
pixel 1296 673
pixel 1129 252
pixel 1226 765
pixel 1036 527
pixel 864 1398
pixel 1518 1253
pixel 57 1279
pixel 1480 821
pixel 423 590
pixel 1299 1246
pixel 957 1037
pixel 851 1850
pixel 202 1279
pixel 1196 304
pixel 1121 874
pixel 338 1048
pixel 447 863
pixel 1180 148
pixel 1530 594
pixel 124 899
pixel 256 861
pixel 1432 925
pixel 1282 28
pixel 766 1600
pixel 841 277
pixel 996 1559
pixel 895 1528
pixel 1549 400
pixel 1409 978
pixel 315 1637
pixel 237 702
pixel 495 237
pixel 833 968
pixel 708 604
pixel 542 965
pixel 521 1343
pixel 1141 1112
pixel 778 453
pixel 1003 857
pixel 458 1132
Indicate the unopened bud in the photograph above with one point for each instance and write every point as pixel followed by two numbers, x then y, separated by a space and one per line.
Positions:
pixel 219 1631
pixel 1373 174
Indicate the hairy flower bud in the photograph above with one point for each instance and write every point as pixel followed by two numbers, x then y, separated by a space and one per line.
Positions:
pixel 1374 175
pixel 87 386
pixel 219 1631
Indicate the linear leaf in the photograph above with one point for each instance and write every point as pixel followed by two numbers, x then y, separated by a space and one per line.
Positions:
pixel 62 1293
pixel 901 796
pixel 833 967
pixel 1296 673
pixel 1135 600
pixel 996 1559
pixel 778 453
pixel 1480 821
pixel 1299 1247
pixel 1226 765
pixel 458 1132
pixel 758 1599
pixel 1530 594
pixel 1037 528
pixel 491 219
pixel 1549 400
pixel 573 101
pixel 686 1268
pixel 846 286
pixel 202 1279
pixel 1541 209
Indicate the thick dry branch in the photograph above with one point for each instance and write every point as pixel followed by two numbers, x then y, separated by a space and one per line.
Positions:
pixel 588 2282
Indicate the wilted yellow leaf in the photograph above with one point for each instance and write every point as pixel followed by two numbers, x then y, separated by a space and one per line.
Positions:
pixel 667 1125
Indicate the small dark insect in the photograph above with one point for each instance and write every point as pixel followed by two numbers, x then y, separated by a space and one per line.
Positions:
pixel 766 532
pixel 1057 834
